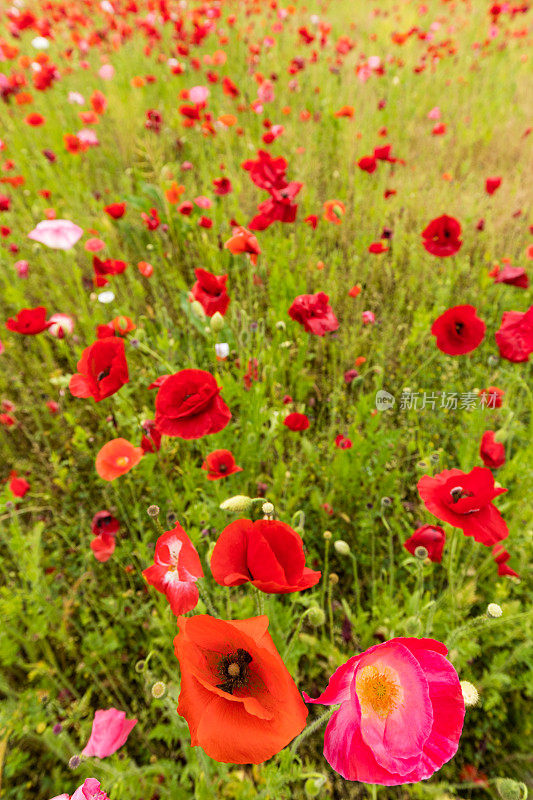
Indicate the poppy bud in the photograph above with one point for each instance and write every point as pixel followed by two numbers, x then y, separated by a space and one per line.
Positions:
pixel 508 789
pixel 217 322
pixel 316 616
pixel 327 535
pixel 333 578
pixel 74 762
pixel 342 547
pixel 198 309
pixel 313 786
pixel 240 503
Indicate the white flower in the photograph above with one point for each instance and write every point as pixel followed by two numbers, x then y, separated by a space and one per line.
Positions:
pixel 106 297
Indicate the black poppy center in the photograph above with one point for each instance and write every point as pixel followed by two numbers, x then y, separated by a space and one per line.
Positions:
pixel 223 468
pixel 103 374
pixel 234 670
pixel 459 327
pixel 458 493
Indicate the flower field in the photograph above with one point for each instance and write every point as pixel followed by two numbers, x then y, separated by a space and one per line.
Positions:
pixel 266 399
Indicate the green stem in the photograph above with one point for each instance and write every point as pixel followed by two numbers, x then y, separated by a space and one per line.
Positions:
pixel 311 728
pixel 205 597
pixel 325 573
pixel 391 557
pixel 295 634
pixel 259 602
pixel 330 611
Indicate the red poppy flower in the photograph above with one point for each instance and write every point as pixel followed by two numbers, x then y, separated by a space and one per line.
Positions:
pixel 515 335
pixel 368 164
pixel 220 464
pixel 491 397
pixel 377 248
pixel 151 441
pixel 175 570
pixel 116 458
pixel 103 547
pixel 267 172
pixel 239 700
pixel 111 266
pixel 210 291
pixel 342 442
pixel 103 369
pixel 278 208
pixel 116 210
pixel 314 313
pixel 501 557
pixel 222 186
pixel 465 501
pixel 432 537
pixel 512 276
pixel 296 422
pixel 35 120
pixel 441 236
pixel 491 451
pixel 104 522
pixel 18 486
pixel 459 330
pixel 491 184
pixel 29 321
pixel 188 405
pixel 334 211
pixel 266 553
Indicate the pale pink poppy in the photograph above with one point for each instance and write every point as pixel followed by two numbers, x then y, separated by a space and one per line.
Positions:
pixel 198 94
pixel 368 317
pixel 109 732
pixel 62 325
pixel 94 245
pixel 374 62
pixel 203 202
pixel 265 92
pixel 59 234
pixel 88 136
pixel 401 713
pixel 106 72
pixel 76 97
pixel 434 113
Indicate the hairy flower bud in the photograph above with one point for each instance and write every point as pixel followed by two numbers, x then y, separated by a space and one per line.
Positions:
pixel 342 547
pixel 508 789
pixel 316 616
pixel 494 610
pixel 217 322
pixel 240 503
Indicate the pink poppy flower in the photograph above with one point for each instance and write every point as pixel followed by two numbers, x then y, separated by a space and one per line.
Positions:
pixel 89 790
pixel 109 732
pixel 434 113
pixel 203 202
pixel 198 94
pixel 401 713
pixel 94 245
pixel 59 234
pixel 106 72
pixel 175 570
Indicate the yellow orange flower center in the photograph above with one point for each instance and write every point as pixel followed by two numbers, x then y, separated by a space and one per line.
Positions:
pixel 378 690
pixel 122 461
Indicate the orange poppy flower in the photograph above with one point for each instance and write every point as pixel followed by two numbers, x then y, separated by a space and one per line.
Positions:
pixel 228 120
pixel 243 241
pixel 334 210
pixel 239 700
pixel 345 111
pixel 174 193
pixel 117 457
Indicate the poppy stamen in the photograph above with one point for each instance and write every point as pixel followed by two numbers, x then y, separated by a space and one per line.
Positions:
pixel 234 669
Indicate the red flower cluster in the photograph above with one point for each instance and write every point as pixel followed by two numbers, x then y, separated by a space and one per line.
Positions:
pixel 269 173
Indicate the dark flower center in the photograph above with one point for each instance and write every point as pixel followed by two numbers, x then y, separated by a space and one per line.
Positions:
pixel 458 493
pixel 223 468
pixel 103 374
pixel 234 670
pixel 459 327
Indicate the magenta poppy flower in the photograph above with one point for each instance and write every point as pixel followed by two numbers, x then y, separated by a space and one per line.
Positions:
pixel 109 732
pixel 458 331
pixel 464 500
pixel 401 713
pixel 59 234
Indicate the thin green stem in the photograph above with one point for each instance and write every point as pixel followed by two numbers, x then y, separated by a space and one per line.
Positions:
pixel 311 728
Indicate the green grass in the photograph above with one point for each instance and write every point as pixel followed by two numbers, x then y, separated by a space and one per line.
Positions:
pixel 74 631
